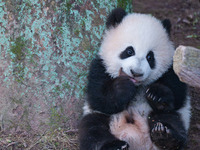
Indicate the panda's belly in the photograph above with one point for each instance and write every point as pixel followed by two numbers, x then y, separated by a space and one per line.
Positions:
pixel 132 126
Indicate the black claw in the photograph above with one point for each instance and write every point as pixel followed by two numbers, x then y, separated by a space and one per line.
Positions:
pixel 116 145
pixel 160 131
pixel 160 97
pixel 124 147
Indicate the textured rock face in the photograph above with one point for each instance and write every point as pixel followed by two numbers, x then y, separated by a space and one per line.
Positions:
pixel 187 65
pixel 46 47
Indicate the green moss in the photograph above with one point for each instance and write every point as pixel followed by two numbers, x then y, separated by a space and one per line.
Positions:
pixel 192 36
pixel 76 32
pixel 59 30
pixel 18 49
pixel 57 117
pixel 82 74
pixel 66 85
pixel 82 23
pixel 196 18
pixel 18 72
pixel 16 101
pixel 29 4
pixel 125 4
pixel 68 4
pixel 61 89
pixel 18 54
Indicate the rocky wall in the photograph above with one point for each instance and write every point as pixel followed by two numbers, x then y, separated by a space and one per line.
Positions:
pixel 45 50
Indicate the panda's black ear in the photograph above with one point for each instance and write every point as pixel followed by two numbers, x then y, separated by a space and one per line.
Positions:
pixel 115 17
pixel 167 25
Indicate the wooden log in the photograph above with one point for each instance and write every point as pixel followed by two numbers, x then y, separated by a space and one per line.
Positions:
pixel 187 65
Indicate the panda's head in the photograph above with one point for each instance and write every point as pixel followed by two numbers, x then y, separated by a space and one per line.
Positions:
pixel 137 44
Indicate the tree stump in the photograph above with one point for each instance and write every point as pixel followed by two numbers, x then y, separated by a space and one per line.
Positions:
pixel 187 65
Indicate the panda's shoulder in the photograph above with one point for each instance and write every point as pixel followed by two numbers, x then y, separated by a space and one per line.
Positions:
pixel 170 77
pixel 97 66
pixel 179 89
pixel 97 71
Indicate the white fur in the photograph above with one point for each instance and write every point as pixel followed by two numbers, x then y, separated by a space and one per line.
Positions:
pixel 86 109
pixel 143 33
pixel 185 113
pixel 137 134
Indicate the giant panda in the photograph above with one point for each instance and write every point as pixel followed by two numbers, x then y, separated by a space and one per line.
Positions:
pixel 134 100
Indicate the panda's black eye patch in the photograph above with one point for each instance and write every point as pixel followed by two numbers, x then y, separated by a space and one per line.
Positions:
pixel 128 52
pixel 151 60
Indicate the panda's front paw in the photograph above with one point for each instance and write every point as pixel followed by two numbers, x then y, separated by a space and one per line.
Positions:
pixel 115 145
pixel 160 97
pixel 123 90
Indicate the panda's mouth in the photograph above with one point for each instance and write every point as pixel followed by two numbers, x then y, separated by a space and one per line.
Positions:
pixel 122 73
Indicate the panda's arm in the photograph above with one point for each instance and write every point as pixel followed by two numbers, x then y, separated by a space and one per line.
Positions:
pixel 167 93
pixel 106 94
pixel 178 88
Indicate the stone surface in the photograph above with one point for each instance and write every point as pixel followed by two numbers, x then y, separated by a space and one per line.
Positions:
pixel 45 50
pixel 187 65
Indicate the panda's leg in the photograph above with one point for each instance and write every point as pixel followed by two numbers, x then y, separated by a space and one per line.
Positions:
pixel 94 134
pixel 167 131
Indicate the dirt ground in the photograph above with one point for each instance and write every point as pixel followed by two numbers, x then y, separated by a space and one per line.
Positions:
pixel 185 19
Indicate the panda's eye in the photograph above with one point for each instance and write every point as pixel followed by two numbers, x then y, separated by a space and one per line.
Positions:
pixel 151 60
pixel 128 52
pixel 150 56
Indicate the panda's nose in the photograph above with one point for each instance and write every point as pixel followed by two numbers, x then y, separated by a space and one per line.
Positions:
pixel 135 74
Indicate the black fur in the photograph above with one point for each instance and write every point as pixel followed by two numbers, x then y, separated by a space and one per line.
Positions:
pixel 128 52
pixel 160 98
pixel 115 17
pixel 167 25
pixel 115 145
pixel 171 134
pixel 106 94
pixel 166 96
pixel 95 134
pixel 178 88
pixel 151 60
pixel 110 96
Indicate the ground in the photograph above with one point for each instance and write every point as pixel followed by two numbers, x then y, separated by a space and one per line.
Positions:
pixel 185 18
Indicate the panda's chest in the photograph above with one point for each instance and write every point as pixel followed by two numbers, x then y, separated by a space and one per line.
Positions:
pixel 138 111
pixel 140 105
pixel 131 125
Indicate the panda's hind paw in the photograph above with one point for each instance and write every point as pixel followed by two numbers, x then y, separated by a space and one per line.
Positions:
pixel 160 132
pixel 166 137
pixel 115 145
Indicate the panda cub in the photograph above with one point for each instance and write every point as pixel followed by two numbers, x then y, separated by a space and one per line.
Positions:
pixel 135 100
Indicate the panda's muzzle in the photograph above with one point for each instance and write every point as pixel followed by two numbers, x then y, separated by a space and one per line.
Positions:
pixel 135 74
pixel 132 78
